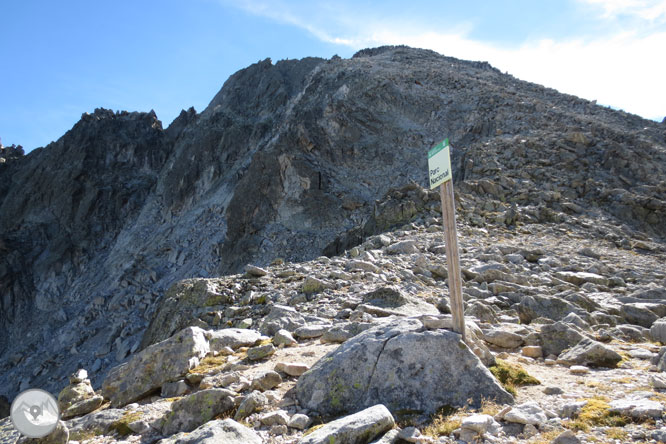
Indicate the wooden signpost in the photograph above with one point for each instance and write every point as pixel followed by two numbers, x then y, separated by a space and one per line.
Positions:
pixel 439 168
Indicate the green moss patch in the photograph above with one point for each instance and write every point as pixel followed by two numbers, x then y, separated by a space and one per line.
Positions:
pixel 512 376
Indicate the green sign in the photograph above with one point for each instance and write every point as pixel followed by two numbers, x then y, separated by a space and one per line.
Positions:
pixel 439 164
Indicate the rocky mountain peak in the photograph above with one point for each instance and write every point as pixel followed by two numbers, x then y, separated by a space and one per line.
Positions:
pixel 121 234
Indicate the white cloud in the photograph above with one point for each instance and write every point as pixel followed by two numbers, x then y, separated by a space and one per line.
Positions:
pixel 625 70
pixel 650 10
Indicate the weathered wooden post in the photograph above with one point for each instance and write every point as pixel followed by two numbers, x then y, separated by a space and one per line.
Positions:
pixel 439 168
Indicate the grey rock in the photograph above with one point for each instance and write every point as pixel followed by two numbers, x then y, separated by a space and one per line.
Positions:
pixel 480 424
pixel 292 368
pixel 639 314
pixel 233 337
pixel 396 301
pixel 279 417
pixel 96 423
pixel 482 312
pixel 532 307
pixel 658 331
pixel 659 435
pixel 299 421
pixel 313 285
pixel 362 266
pixel 574 319
pixel 410 434
pixel 253 270
pixel 403 247
pixel 658 382
pixel 390 437
pixel 75 393
pixel 146 371
pixel 557 337
pixel 571 409
pixel 284 338
pixel 660 360
pixel 260 352
pixel 503 338
pixel 190 412
pixel 220 380
pixel 281 317
pixel 591 353
pixel 359 428
pixel 343 332
pixel 580 278
pixel 250 404
pixel 402 366
pixel 526 413
pixel 632 333
pixel 637 408
pixel 553 390
pixel 82 407
pixel 266 381
pixel 174 389
pixel 311 331
pixel 566 437
pixel 225 431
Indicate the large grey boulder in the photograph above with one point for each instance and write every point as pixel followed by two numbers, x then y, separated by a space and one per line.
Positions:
pixel 532 307
pixel 191 411
pixel 591 353
pixel 638 314
pixel 233 337
pixel 502 338
pixel 401 365
pixel 581 277
pixel 225 431
pixel 359 428
pixel 163 362
pixel 558 337
pixel 281 317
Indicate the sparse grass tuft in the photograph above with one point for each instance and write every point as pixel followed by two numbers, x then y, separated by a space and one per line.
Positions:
pixel 623 380
pixel 209 363
pixel 489 407
pixel 596 413
pixel 617 433
pixel 512 376
pixel 545 438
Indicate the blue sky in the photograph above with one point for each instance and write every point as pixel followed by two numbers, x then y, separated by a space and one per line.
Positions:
pixel 63 58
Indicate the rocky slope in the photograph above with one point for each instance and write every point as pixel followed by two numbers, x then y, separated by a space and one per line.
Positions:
pixel 582 314
pixel 310 157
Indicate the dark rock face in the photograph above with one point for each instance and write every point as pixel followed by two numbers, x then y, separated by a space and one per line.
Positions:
pixel 288 161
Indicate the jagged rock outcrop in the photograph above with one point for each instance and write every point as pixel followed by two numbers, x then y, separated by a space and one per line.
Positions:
pixel 289 160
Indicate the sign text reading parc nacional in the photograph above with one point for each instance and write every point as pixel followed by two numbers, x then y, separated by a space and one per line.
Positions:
pixel 439 164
